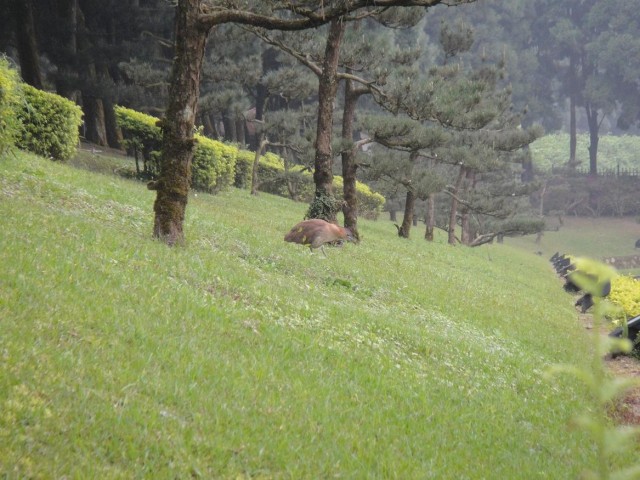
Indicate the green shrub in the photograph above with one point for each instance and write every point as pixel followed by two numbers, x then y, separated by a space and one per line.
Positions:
pixel 213 165
pixel 625 292
pixel 270 172
pixel 49 124
pixel 142 138
pixel 9 104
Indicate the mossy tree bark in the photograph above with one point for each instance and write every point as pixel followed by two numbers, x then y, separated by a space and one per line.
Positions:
pixel 172 186
pixel 328 88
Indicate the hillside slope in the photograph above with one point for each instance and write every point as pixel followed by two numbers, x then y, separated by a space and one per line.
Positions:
pixel 241 356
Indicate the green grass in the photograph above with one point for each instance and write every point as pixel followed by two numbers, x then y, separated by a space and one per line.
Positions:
pixel 242 356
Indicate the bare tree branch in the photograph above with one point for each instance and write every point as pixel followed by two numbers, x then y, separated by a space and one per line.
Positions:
pixel 306 17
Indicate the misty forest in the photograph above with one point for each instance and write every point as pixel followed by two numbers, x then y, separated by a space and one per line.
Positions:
pixel 393 129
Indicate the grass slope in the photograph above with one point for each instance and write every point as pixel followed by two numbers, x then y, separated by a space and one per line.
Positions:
pixel 241 356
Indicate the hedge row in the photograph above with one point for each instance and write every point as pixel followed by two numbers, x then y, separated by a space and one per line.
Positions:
pixel 34 120
pixel 217 165
pixel 9 103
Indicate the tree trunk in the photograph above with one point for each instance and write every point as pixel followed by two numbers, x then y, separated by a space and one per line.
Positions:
pixel 240 130
pixel 114 134
pixel 465 215
pixel 68 11
pixel 465 233
pixel 430 218
pixel 405 229
pixel 349 165
pixel 172 187
pixel 453 214
pixel 207 124
pixel 230 134
pixel 594 127
pixel 26 42
pixel 328 87
pixel 573 136
pixel 94 123
pixel 256 163
pixel 269 63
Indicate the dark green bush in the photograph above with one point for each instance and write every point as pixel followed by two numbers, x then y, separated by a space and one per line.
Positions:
pixel 9 103
pixel 50 124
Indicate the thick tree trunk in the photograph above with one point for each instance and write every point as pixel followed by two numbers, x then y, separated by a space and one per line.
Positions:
pixel 430 218
pixel 177 140
pixel 349 165
pixel 323 174
pixel 26 42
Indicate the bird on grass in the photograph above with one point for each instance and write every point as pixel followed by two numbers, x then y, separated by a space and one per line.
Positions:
pixel 315 233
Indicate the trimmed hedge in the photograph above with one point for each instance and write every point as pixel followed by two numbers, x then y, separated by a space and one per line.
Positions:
pixel 50 124
pixel 217 165
pixel 213 167
pixel 141 138
pixel 10 96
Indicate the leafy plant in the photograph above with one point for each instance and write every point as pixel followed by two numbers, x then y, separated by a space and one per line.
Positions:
pixel 10 96
pixel 625 292
pixel 49 124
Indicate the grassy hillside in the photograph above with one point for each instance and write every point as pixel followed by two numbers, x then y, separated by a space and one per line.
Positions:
pixel 241 356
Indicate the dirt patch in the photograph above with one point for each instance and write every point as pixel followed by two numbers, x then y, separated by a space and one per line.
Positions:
pixel 627 410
